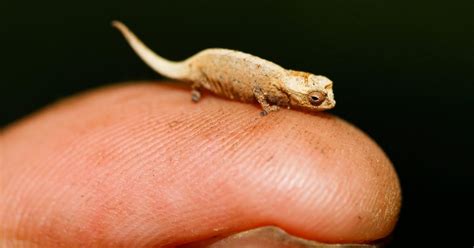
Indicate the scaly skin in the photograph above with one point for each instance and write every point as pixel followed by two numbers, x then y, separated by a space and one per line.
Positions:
pixel 241 76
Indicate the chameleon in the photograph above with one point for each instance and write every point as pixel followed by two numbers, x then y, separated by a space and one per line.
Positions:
pixel 240 76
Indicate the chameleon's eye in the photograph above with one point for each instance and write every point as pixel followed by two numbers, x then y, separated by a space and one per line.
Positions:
pixel 316 98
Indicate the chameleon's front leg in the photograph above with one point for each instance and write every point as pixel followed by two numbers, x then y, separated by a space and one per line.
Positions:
pixel 261 98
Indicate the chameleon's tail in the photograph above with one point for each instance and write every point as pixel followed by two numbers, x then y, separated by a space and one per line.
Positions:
pixel 171 69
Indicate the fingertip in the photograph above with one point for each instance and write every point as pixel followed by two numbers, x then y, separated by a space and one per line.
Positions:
pixel 166 170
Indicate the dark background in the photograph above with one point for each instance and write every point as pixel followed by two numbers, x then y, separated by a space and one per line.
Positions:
pixel 403 73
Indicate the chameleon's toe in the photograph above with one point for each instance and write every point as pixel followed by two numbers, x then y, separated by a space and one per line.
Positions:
pixel 195 96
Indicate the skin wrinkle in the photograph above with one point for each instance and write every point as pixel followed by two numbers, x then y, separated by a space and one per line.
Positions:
pixel 92 139
pixel 130 227
pixel 245 143
pixel 257 162
pixel 289 176
pixel 149 148
pixel 321 202
pixel 281 167
pixel 250 170
pixel 145 200
pixel 340 197
pixel 239 153
pixel 346 199
pixel 284 179
pixel 42 224
pixel 27 181
pixel 53 172
pixel 111 197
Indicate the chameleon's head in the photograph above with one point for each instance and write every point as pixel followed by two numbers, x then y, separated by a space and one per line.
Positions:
pixel 308 91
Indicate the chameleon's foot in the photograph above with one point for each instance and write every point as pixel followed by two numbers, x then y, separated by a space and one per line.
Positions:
pixel 268 109
pixel 260 96
pixel 195 95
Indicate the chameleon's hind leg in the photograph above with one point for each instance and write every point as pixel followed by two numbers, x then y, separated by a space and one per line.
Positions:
pixel 195 93
pixel 260 96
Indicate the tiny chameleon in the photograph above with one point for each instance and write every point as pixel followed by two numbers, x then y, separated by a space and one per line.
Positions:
pixel 241 76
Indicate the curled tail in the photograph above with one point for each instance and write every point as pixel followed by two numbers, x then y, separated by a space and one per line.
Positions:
pixel 171 69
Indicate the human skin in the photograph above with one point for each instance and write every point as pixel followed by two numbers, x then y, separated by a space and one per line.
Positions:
pixel 141 165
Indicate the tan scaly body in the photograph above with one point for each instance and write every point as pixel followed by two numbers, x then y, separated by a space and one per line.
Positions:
pixel 241 76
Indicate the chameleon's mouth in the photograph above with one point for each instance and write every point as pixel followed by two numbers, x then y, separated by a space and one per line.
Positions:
pixel 329 104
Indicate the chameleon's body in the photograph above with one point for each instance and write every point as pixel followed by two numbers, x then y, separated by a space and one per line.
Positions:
pixel 237 75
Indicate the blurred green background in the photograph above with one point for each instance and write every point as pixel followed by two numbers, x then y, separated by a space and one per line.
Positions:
pixel 403 73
